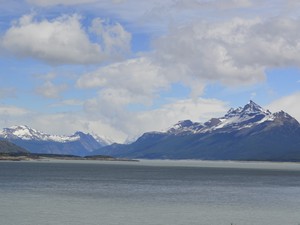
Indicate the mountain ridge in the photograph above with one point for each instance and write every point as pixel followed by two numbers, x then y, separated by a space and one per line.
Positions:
pixel 245 133
pixel 36 141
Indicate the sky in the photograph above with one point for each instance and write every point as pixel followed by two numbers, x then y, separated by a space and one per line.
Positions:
pixel 119 68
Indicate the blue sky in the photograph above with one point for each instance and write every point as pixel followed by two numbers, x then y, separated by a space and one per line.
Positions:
pixel 118 68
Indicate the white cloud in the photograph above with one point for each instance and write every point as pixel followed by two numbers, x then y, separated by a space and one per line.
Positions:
pixel 63 40
pixel 6 110
pixel 289 104
pixel 139 81
pixel 131 81
pixel 235 52
pixel 114 38
pixel 68 102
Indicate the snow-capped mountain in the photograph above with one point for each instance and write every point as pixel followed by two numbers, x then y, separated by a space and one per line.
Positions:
pixel 39 142
pixel 244 133
pixel 26 133
pixel 240 118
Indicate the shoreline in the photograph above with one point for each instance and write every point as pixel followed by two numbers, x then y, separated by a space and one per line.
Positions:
pixel 49 157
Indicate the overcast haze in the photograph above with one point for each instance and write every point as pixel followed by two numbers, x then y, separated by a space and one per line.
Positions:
pixel 119 68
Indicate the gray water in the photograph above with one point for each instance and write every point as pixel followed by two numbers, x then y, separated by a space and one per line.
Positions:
pixel 149 193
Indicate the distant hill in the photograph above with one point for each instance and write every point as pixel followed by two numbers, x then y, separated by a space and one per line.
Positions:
pixel 10 148
pixel 38 142
pixel 245 133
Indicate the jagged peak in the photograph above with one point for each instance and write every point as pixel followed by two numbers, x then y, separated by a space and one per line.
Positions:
pixel 252 107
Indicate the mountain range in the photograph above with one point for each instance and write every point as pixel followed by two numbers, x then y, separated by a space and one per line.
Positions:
pixel 244 133
pixel 38 142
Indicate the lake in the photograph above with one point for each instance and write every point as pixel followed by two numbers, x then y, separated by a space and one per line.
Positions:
pixel 149 192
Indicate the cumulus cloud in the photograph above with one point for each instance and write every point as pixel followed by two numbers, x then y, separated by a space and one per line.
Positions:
pixel 63 40
pixel 289 104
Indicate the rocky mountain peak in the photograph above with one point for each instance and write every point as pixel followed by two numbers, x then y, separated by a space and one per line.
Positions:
pixel 240 118
pixel 253 107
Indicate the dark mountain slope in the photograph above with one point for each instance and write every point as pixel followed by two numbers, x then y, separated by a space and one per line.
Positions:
pixel 10 148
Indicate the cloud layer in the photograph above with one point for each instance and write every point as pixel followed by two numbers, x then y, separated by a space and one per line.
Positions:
pixel 235 52
pixel 193 43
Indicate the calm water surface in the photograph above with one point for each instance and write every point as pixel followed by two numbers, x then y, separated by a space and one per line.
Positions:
pixel 149 192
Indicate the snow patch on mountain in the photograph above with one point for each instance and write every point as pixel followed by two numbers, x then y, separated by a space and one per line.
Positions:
pixel 26 133
pixel 102 139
